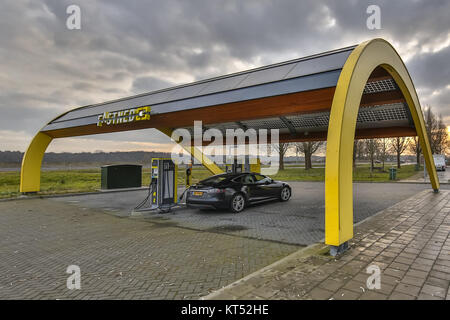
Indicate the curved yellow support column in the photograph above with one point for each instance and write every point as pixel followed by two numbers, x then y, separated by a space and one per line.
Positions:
pixel 197 154
pixel 341 131
pixel 30 173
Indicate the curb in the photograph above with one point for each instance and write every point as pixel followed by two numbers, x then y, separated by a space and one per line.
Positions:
pixel 302 253
pixel 60 195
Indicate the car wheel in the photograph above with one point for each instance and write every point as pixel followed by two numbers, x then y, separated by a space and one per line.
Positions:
pixel 237 203
pixel 285 194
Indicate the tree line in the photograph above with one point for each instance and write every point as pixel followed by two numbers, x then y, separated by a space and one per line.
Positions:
pixel 142 157
pixel 378 150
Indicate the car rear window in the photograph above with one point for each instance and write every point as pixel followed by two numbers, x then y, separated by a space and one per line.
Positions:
pixel 214 180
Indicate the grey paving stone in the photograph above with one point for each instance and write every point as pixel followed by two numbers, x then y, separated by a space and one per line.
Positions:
pixel 119 258
pixel 373 295
pixel 413 281
pixel 434 291
pixel 343 294
pixel 400 296
pixel 320 294
pixel 182 257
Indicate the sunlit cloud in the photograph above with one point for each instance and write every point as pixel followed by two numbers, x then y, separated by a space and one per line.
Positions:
pixel 130 47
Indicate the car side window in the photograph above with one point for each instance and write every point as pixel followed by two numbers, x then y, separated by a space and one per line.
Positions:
pixel 262 179
pixel 248 179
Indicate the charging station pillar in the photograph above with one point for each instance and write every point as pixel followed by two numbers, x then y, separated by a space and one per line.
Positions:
pixel 164 174
pixel 247 166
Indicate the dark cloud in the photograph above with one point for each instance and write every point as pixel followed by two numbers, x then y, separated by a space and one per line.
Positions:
pixel 129 47
pixel 146 84
pixel 431 73
pixel 430 70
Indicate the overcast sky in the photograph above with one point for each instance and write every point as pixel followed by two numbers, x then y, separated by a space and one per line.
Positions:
pixel 136 46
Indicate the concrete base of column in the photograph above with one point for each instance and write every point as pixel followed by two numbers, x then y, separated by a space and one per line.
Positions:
pixel 337 250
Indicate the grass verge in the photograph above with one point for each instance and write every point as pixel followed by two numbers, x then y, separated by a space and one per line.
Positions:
pixel 88 180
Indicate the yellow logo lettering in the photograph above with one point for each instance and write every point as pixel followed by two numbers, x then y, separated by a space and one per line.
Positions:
pixel 124 116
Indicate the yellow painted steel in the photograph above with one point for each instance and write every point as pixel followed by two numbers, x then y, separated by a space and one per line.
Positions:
pixel 197 154
pixel 30 173
pixel 175 196
pixel 341 131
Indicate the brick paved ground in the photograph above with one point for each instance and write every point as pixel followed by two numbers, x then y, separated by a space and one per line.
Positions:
pixel 120 258
pixel 299 221
pixel 409 242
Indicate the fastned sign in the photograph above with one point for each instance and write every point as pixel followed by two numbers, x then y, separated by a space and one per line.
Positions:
pixel 124 116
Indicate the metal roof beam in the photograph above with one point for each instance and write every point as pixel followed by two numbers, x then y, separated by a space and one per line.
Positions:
pixel 241 125
pixel 289 125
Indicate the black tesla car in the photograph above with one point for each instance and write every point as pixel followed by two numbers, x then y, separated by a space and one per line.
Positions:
pixel 235 191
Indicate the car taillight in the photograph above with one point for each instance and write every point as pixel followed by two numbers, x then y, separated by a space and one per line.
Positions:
pixel 215 190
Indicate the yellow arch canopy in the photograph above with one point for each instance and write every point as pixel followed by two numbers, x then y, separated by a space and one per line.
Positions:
pixel 313 98
pixel 30 173
pixel 341 131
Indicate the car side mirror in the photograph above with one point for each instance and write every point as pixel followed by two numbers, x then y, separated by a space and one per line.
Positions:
pixel 268 181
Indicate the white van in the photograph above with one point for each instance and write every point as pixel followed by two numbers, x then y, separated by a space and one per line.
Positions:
pixel 439 162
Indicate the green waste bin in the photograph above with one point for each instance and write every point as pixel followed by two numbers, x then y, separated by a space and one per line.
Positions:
pixel 121 176
pixel 392 174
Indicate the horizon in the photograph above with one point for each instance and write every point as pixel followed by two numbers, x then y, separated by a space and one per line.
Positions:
pixel 48 69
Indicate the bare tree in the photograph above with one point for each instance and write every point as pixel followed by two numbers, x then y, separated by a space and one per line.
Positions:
pixel 308 149
pixel 282 148
pixel 358 151
pixel 398 146
pixel 436 131
pixel 382 150
pixel 371 146
pixel 414 147
pixel 440 137
pixel 437 135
